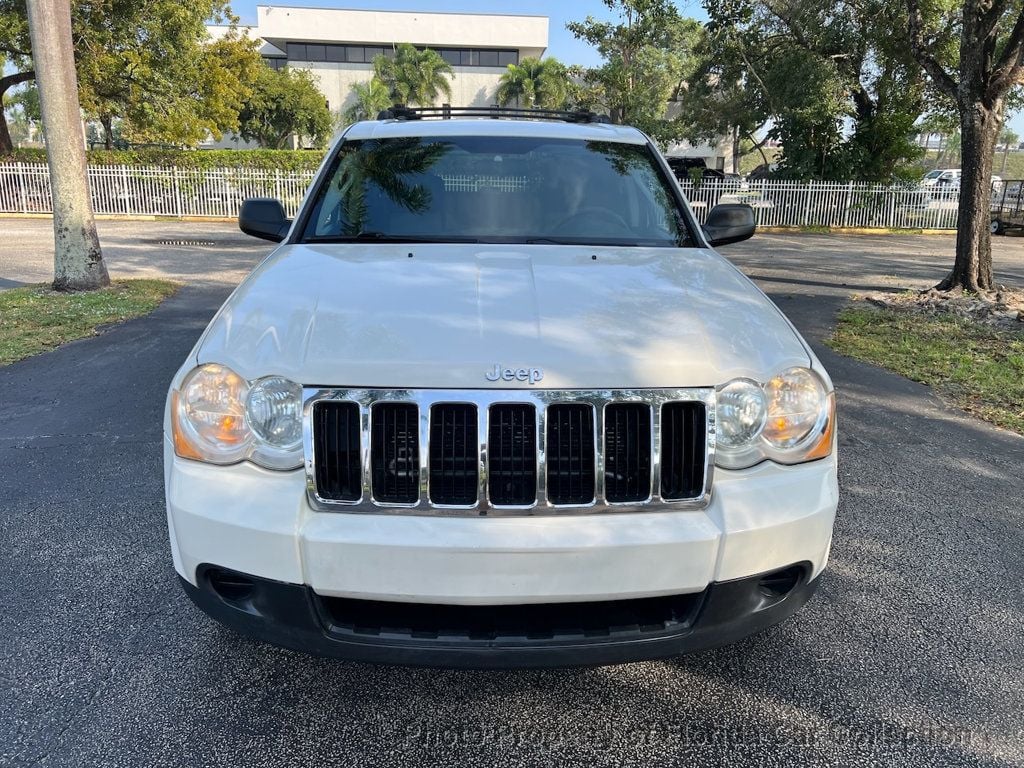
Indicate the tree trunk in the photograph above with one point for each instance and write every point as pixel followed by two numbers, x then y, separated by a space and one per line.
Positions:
pixel 979 131
pixel 1006 153
pixel 108 131
pixel 78 260
pixel 736 149
pixel 6 83
pixel 6 145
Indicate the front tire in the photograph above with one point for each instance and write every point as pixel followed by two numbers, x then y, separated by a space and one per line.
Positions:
pixel 996 227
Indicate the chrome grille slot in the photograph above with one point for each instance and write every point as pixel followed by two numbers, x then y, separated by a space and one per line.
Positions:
pixel 395 452
pixel 508 451
pixel 338 469
pixel 627 452
pixel 454 454
pixel 570 453
pixel 512 454
pixel 683 437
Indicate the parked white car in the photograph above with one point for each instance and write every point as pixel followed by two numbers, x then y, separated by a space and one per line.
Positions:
pixel 941 177
pixel 495 401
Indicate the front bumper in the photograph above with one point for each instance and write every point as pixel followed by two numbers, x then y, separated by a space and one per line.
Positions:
pixel 257 523
pixel 295 617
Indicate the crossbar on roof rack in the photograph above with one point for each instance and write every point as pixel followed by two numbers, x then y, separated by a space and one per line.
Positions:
pixel 446 112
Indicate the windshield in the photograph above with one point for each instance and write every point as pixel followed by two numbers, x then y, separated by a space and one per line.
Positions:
pixel 496 189
pixel 933 174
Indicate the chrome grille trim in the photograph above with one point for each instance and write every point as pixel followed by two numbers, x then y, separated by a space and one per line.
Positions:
pixel 483 399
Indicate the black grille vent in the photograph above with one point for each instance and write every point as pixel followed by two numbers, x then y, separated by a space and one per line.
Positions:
pixel 683 436
pixel 627 452
pixel 336 446
pixel 395 452
pixel 512 454
pixel 570 453
pixel 454 454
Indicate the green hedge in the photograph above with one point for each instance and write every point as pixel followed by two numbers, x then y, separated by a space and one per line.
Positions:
pixel 263 159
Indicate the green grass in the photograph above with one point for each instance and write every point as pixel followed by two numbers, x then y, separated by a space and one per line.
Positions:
pixel 977 367
pixel 34 319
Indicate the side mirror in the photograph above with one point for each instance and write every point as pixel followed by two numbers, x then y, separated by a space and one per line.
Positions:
pixel 264 217
pixel 729 223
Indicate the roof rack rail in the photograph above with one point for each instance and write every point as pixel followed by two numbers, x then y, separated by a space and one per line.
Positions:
pixel 447 112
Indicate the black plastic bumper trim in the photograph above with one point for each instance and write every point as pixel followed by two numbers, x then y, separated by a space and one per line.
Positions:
pixel 292 616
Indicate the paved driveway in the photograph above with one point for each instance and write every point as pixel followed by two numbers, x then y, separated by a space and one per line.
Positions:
pixel 911 653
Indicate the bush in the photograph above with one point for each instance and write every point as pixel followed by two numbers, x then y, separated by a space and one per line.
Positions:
pixel 263 159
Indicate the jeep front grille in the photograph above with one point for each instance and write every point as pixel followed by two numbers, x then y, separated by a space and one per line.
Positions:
pixel 454 454
pixel 339 474
pixel 494 452
pixel 682 440
pixel 570 453
pixel 512 454
pixel 627 452
pixel 395 452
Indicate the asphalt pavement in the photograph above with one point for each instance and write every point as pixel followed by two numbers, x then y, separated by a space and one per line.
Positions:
pixel 910 654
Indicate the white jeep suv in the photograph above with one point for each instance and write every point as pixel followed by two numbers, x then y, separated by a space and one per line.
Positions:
pixel 494 401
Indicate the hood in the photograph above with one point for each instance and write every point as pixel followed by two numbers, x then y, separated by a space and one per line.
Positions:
pixel 444 316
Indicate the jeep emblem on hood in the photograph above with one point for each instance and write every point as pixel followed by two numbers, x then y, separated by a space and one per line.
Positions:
pixel 532 375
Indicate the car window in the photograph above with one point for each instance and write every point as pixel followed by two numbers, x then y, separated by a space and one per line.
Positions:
pixel 496 189
pixel 933 174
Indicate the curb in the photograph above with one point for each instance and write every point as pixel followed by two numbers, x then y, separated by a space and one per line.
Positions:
pixel 129 217
pixel 852 231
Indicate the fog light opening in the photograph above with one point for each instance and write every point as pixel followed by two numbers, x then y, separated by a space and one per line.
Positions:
pixel 778 584
pixel 231 587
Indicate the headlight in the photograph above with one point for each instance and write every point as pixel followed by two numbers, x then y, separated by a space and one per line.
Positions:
pixel 790 419
pixel 797 401
pixel 741 413
pixel 274 412
pixel 219 417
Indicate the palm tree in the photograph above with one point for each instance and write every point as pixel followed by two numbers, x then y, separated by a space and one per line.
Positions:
pixel 371 97
pixel 414 77
pixel 386 165
pixel 535 83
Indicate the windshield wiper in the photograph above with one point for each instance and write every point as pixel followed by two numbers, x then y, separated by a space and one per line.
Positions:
pixel 382 237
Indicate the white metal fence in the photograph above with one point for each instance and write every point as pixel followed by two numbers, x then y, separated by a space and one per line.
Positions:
pixel 128 190
pixel 830 204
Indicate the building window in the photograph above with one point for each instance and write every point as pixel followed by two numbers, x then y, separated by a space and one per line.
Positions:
pixel 365 54
pixel 275 62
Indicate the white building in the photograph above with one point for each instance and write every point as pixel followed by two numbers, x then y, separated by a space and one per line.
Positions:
pixel 338 45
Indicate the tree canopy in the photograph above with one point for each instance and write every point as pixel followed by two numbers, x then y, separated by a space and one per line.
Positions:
pixel 414 77
pixel 535 83
pixel 833 82
pixel 285 103
pixel 371 98
pixel 15 58
pixel 149 66
pixel 647 58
